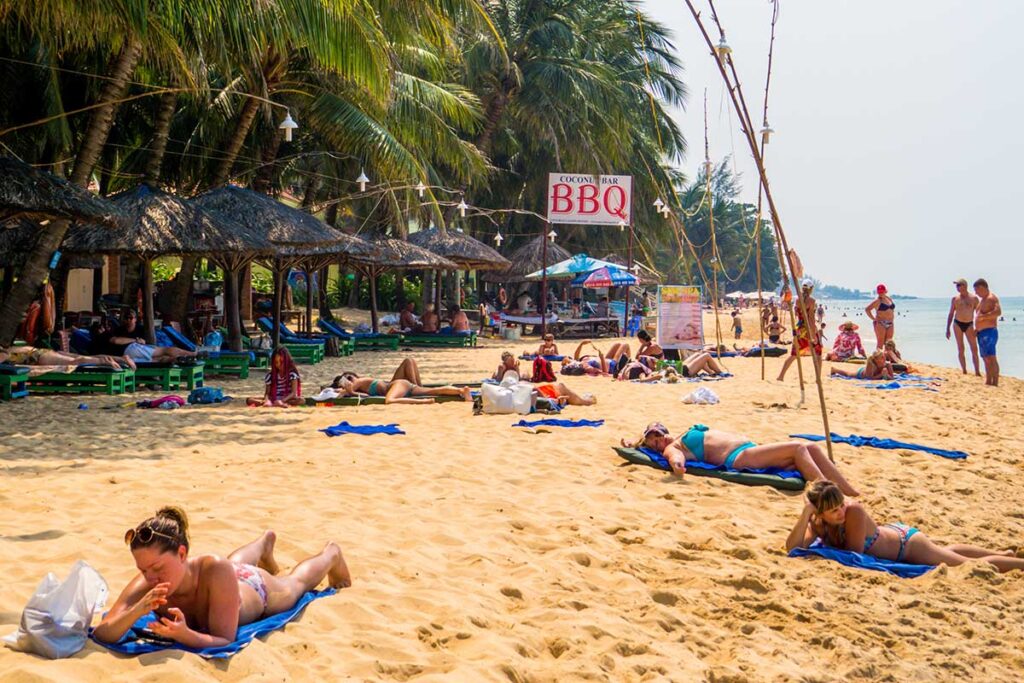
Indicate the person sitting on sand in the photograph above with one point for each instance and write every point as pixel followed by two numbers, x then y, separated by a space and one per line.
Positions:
pixel 602 364
pixel 876 367
pixel 847 344
pixel 31 355
pixel 548 347
pixel 775 330
pixel 557 391
pixel 201 601
pixel 701 444
pixel 122 340
pixel 400 389
pixel 429 323
pixel 282 381
pixel 509 363
pixel 648 347
pixel 828 516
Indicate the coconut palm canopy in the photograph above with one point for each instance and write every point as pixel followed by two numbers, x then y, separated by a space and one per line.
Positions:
pixel 459 247
pixel 161 224
pixel 277 222
pixel 528 258
pixel 31 193
pixel 394 253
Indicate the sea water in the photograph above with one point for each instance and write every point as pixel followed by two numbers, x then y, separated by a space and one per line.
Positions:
pixel 921 331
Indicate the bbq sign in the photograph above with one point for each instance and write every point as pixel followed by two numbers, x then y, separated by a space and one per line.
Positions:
pixel 589 200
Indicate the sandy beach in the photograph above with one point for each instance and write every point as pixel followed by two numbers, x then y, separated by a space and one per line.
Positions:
pixel 483 553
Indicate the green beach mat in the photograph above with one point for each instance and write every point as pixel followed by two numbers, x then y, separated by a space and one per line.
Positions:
pixel 638 457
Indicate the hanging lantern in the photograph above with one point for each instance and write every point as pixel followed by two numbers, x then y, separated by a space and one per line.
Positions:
pixel 288 125
pixel 658 204
pixel 722 50
pixel 665 211
pixel 498 238
pixel 622 226
pixel 462 207
pixel 420 187
pixel 552 235
pixel 766 133
pixel 362 180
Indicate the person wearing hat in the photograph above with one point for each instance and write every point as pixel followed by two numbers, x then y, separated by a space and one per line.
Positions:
pixel 805 330
pixel 961 312
pixel 882 312
pixel 847 344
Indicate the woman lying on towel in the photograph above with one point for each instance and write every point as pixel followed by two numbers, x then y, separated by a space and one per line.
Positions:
pixel 201 601
pixel 404 386
pixel 283 384
pixel 556 391
pixel 601 364
pixel 696 364
pixel 876 367
pixel 848 526
pixel 735 452
pixel 30 355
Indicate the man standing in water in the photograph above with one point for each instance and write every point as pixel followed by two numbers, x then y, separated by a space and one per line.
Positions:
pixel 985 320
pixel 961 312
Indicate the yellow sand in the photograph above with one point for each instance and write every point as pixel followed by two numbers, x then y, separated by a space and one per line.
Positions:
pixel 482 553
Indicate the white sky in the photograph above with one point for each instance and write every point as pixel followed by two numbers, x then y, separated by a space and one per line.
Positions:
pixel 898 138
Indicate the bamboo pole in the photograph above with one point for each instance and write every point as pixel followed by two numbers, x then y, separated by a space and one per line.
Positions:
pixel 736 95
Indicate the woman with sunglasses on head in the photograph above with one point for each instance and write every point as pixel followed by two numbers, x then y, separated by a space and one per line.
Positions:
pixel 201 601
pixel 882 312
pixel 734 452
pixel 828 516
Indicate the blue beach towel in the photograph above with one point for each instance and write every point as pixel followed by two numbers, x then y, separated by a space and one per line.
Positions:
pixel 898 376
pixel 709 378
pixel 863 561
pixel 889 386
pixel 693 464
pixel 887 444
pixel 533 356
pixel 554 422
pixel 366 430
pixel 134 642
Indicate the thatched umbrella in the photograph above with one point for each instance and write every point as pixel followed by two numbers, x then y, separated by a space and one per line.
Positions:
pixel 390 254
pixel 527 259
pixel 17 239
pixel 283 225
pixel 30 193
pixel 161 224
pixel 457 246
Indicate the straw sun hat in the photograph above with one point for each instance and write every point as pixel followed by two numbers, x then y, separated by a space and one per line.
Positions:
pixel 849 325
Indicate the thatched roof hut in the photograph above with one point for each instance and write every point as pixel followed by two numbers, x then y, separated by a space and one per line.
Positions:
pixel 394 253
pixel 281 224
pixel 27 192
pixel 19 238
pixel 528 259
pixel 161 224
pixel 467 252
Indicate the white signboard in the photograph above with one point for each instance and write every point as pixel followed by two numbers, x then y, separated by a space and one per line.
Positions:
pixel 680 319
pixel 590 200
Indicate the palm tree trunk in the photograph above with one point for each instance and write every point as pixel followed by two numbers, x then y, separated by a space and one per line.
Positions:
pixel 149 325
pixel 280 277
pixel 234 146
pixel 132 278
pixel 496 106
pixel 161 131
pixel 232 317
pixel 263 181
pixel 36 267
pixel 353 294
pixel 373 302
pixel 325 306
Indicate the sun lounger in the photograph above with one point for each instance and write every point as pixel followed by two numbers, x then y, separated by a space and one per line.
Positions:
pixel 13 382
pixel 360 341
pixel 439 340
pixel 790 483
pixel 308 350
pixel 86 379
pixel 165 376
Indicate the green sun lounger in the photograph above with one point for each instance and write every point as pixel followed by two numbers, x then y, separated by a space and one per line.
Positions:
pixel 638 457
pixel 445 341
pixel 234 364
pixel 13 382
pixel 85 380
pixel 158 375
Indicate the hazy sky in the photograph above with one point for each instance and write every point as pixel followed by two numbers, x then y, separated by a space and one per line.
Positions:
pixel 898 141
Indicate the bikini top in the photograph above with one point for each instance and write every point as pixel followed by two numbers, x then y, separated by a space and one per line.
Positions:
pixel 693 439
pixel 887 307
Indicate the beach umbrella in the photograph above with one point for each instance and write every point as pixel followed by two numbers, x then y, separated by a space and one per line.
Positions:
pixel 571 267
pixel 161 224
pixel 527 259
pixel 468 253
pixel 26 192
pixel 643 272
pixel 287 227
pixel 604 277
pixel 735 295
pixel 389 254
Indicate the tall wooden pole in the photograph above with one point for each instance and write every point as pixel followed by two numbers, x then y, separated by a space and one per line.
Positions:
pixel 543 283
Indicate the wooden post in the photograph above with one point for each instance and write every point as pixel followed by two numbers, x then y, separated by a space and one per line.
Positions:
pixel 543 284
pixel 149 329
pixel 279 278
pixel 232 314
pixel 309 299
pixel 373 301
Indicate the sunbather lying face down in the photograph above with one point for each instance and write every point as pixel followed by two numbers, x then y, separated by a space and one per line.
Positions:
pixel 201 601
pixel 846 525
pixel 701 444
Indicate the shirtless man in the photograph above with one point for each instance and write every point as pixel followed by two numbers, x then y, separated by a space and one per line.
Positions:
pixel 430 322
pixel 961 311
pixel 985 320
pixel 408 320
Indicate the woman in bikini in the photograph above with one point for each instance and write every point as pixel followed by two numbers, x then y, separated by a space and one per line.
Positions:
pixel 828 516
pixel 201 601
pixel 648 347
pixel 601 364
pixel 877 366
pixel 882 312
pixel 701 362
pixel 701 444
pixel 404 386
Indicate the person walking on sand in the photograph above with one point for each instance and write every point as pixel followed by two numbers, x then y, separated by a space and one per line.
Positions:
pixel 961 312
pixel 737 324
pixel 806 333
pixel 882 312
pixel 985 320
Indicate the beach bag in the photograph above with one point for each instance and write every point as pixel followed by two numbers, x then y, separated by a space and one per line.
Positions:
pixel 55 622
pixel 511 396
pixel 262 343
pixel 542 371
pixel 204 395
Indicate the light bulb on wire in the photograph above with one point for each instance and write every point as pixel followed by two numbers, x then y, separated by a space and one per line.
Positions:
pixel 420 187
pixel 498 238
pixel 362 180
pixel 288 125
pixel 462 207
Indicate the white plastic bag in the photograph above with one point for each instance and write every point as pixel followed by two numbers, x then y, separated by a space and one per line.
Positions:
pixel 56 620
pixel 497 399
pixel 702 396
